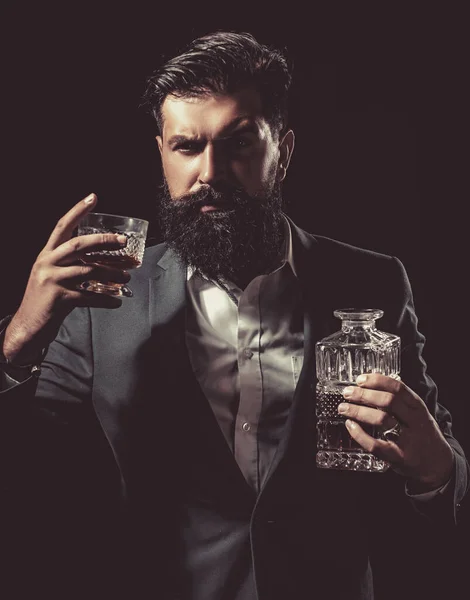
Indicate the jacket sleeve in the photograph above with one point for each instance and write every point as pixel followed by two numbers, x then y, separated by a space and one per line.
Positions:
pixel 444 503
pixel 42 419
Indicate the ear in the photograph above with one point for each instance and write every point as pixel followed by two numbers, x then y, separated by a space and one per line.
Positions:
pixel 160 143
pixel 286 147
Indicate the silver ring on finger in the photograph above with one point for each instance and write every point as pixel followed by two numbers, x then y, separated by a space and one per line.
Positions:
pixel 392 435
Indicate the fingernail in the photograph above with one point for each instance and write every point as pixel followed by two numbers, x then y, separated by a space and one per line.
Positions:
pixel 122 239
pixel 89 199
pixel 348 391
pixel 343 407
pixel 351 424
pixel 361 379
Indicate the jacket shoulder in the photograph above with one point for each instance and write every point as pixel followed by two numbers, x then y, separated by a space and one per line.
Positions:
pixel 341 266
pixel 332 250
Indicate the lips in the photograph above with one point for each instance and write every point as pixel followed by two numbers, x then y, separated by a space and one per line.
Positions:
pixel 211 207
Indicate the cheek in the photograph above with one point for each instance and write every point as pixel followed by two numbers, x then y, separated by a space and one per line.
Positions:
pixel 255 171
pixel 270 169
pixel 179 174
pixel 262 171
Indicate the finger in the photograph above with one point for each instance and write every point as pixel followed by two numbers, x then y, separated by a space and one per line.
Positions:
pixel 365 414
pixel 385 450
pixel 73 250
pixel 74 275
pixel 384 383
pixel 66 224
pixel 379 382
pixel 385 401
pixel 393 386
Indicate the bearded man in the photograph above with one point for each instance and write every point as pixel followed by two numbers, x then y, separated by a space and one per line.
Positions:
pixel 172 439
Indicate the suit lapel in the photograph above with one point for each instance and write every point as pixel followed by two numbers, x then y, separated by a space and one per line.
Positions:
pixel 167 294
pixel 167 318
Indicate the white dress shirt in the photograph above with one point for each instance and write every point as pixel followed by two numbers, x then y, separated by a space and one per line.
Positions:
pixel 247 358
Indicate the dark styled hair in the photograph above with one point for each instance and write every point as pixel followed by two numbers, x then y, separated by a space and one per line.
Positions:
pixel 222 63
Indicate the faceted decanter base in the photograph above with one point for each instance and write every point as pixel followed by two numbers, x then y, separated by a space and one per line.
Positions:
pixel 350 461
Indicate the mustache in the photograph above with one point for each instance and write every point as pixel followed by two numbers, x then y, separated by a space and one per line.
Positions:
pixel 210 196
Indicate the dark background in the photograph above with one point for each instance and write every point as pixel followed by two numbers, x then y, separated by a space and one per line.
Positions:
pixel 378 106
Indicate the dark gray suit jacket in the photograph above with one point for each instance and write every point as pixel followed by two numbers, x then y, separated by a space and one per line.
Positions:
pixel 116 472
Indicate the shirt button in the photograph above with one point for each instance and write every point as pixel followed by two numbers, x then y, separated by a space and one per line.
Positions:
pixel 246 427
pixel 248 353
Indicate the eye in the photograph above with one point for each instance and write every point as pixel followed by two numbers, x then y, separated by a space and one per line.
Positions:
pixel 242 142
pixel 188 147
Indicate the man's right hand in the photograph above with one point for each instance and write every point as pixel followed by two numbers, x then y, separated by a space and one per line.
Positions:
pixel 52 290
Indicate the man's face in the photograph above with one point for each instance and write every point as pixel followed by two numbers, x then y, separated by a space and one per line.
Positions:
pixel 218 141
pixel 222 165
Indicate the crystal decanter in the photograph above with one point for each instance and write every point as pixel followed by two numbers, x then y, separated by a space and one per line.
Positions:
pixel 359 347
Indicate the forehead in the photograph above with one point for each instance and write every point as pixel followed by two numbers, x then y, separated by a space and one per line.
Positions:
pixel 211 114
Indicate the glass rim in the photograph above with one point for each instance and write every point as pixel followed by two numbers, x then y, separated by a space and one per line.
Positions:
pixel 112 215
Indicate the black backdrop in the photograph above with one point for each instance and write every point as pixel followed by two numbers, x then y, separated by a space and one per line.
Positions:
pixel 377 106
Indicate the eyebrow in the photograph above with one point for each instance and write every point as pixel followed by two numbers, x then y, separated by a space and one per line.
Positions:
pixel 235 127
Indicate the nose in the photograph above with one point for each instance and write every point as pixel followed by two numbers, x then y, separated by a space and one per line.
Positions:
pixel 213 165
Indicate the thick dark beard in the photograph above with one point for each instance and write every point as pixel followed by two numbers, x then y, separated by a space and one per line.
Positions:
pixel 237 243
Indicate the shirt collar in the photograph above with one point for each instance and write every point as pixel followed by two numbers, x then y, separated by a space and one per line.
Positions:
pixel 288 246
pixel 287 254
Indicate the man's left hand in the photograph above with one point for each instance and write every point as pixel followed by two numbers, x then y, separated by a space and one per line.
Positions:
pixel 420 452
